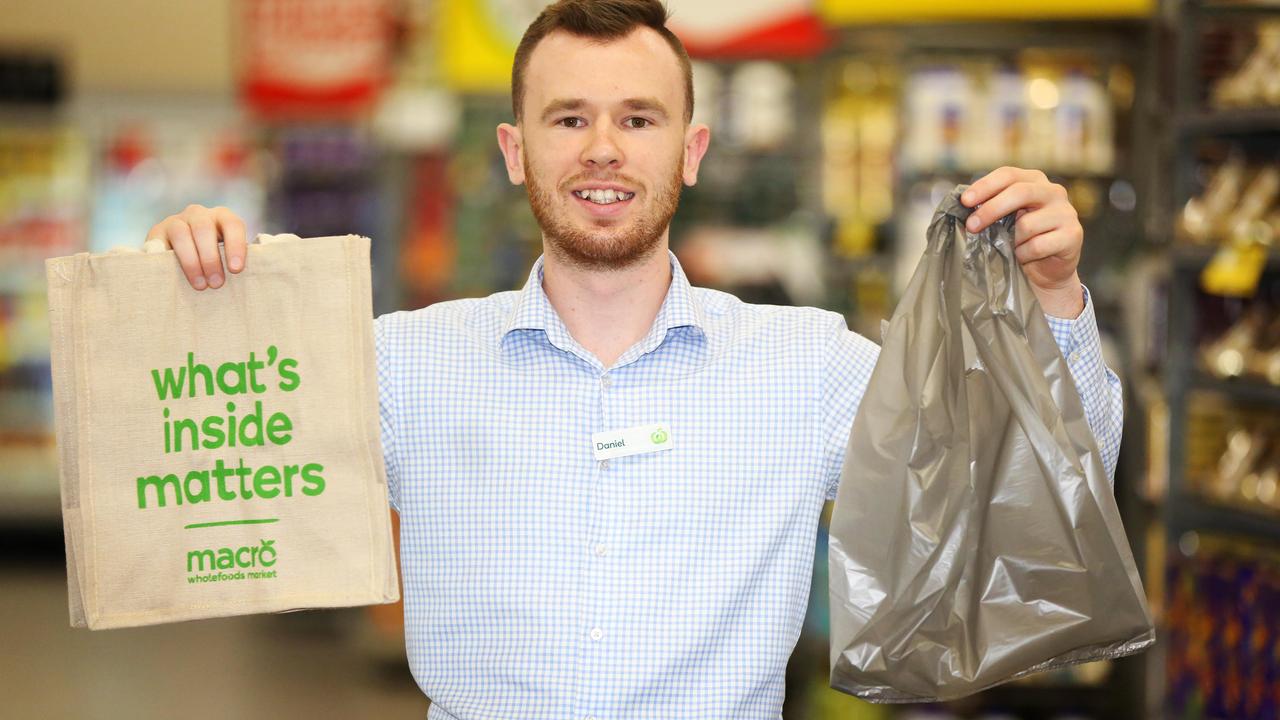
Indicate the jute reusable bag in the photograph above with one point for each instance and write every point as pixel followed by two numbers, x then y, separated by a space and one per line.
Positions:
pixel 172 510
pixel 975 536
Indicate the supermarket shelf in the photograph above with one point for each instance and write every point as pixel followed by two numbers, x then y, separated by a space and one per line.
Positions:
pixel 1246 7
pixel 25 373
pixel 1256 133
pixel 1020 697
pixel 1197 256
pixel 882 260
pixel 1251 121
pixel 939 173
pixel 23 510
pixel 1199 514
pixel 1241 390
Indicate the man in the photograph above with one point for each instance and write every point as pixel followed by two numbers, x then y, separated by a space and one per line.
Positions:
pixel 609 482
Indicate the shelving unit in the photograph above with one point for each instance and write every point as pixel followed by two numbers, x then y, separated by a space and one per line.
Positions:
pixel 1112 236
pixel 1236 122
pixel 1183 509
pixel 1182 512
pixel 39 149
pixel 1048 701
pixel 1247 391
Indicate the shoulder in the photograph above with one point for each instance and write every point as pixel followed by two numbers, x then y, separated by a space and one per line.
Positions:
pixel 478 320
pixel 810 336
pixel 727 313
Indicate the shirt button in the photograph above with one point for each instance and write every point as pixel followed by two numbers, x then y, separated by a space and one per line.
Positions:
pixel 596 633
pixel 606 381
pixel 1074 357
pixel 601 550
pixel 604 464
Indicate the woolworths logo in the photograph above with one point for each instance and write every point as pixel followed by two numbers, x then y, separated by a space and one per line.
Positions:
pixel 247 562
pixel 658 437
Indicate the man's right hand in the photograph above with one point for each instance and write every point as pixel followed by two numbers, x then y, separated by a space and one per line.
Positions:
pixel 194 234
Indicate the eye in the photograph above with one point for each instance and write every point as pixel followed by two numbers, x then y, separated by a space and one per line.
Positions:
pixel 562 121
pixel 644 121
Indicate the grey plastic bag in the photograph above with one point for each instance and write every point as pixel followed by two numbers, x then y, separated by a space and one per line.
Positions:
pixel 975 536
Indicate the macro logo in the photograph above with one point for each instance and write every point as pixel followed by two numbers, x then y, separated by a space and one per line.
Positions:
pixel 658 437
pixel 232 563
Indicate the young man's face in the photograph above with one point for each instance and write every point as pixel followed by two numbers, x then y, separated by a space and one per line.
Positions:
pixel 603 145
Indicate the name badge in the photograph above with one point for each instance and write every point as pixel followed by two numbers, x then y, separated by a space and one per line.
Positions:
pixel 631 441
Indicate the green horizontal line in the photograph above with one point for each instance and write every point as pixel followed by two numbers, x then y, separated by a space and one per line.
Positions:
pixel 232 522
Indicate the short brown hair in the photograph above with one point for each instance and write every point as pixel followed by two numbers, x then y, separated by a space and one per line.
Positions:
pixel 601 20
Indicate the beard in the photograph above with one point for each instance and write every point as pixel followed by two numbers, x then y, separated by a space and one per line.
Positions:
pixel 615 246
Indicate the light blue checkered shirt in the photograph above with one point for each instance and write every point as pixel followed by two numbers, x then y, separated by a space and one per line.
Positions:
pixel 542 583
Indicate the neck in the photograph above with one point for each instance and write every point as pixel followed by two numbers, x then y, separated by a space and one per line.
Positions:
pixel 607 311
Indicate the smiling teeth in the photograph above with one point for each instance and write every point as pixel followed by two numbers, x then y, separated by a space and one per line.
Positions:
pixel 603 197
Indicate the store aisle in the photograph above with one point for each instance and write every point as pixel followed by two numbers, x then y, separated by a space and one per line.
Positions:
pixel 301 665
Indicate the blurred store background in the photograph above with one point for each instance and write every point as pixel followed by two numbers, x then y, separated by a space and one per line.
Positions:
pixel 837 126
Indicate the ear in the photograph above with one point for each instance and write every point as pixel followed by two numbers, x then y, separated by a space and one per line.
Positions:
pixel 509 141
pixel 696 140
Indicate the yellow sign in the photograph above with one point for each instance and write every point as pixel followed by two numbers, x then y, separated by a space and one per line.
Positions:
pixel 853 12
pixel 477 41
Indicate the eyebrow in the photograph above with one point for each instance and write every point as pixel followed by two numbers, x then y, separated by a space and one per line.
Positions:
pixel 561 105
pixel 644 104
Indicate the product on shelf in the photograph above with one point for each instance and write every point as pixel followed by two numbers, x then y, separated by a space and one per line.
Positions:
pixel 148 170
pixel 762 107
pixel 1045 113
pixel 1247 472
pixel 1239 205
pixel 1249 348
pixel 1257 81
pixel 44 186
pixel 1239 213
pixel 326 179
pixel 1233 454
pixel 1222 629
pixel 44 175
pixel 859 136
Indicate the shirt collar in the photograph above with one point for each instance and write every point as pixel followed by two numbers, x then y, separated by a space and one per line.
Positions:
pixel 533 310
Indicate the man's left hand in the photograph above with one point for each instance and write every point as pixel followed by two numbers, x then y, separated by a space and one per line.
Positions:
pixel 1047 232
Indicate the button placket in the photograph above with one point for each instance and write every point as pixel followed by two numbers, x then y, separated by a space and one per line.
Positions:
pixel 595 613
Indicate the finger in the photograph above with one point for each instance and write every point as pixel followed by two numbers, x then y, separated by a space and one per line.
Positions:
pixel 1030 223
pixel 994 182
pixel 157 234
pixel 1019 195
pixel 206 237
pixel 231 227
pixel 1046 245
pixel 178 235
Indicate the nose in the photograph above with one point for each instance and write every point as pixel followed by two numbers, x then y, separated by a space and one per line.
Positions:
pixel 602 148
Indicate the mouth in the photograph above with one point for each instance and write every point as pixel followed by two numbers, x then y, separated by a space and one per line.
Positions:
pixel 603 202
pixel 604 196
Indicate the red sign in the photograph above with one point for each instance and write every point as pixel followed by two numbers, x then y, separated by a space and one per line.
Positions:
pixel 745 29
pixel 323 57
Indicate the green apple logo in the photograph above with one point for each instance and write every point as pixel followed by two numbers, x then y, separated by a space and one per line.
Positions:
pixel 658 437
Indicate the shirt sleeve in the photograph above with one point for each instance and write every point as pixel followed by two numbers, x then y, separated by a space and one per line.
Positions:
pixel 386 410
pixel 1099 387
pixel 848 361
